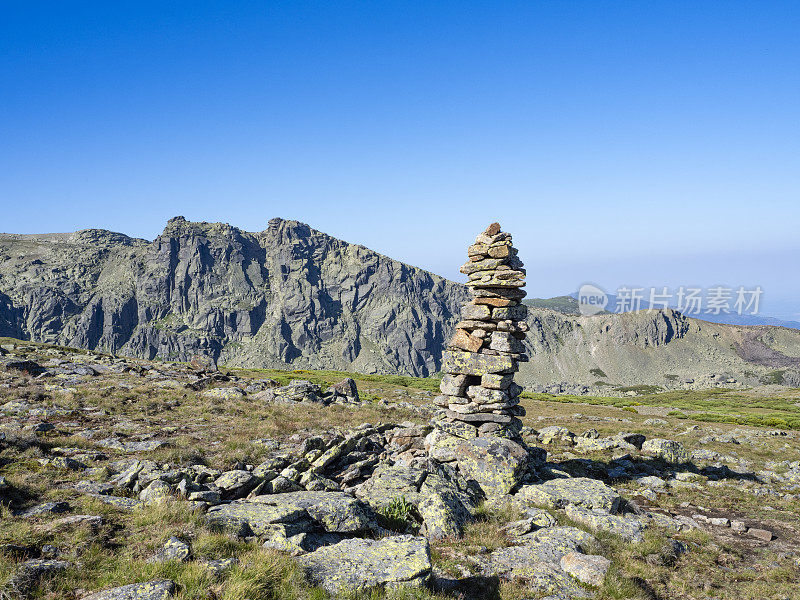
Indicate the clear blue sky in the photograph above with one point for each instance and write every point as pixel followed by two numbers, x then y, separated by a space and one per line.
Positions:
pixel 651 143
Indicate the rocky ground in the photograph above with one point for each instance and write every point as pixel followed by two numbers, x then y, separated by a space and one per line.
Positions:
pixel 128 479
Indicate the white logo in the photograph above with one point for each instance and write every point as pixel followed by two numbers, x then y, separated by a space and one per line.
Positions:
pixel 591 299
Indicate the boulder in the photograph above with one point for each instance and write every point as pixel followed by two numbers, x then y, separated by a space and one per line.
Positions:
pixel 669 450
pixel 298 390
pixel 28 574
pixel 496 464
pixel 157 491
pixel 579 491
pixel 538 561
pixel 358 564
pixel 443 514
pixel 236 483
pixel 556 434
pixel 173 549
pixel 389 483
pixel 44 508
pixel 243 517
pixel 346 389
pixel 335 512
pixel 442 446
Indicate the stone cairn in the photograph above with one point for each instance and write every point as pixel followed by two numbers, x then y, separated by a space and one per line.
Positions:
pixel 478 389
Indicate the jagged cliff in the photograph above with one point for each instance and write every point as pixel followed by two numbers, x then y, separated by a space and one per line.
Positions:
pixel 286 295
pixel 291 295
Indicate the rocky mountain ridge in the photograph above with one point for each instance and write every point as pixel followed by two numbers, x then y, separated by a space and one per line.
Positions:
pixel 291 295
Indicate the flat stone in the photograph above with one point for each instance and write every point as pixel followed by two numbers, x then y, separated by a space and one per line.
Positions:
pixel 510 313
pixel 462 340
pixel 630 529
pixel 478 312
pixel 45 508
pixel 150 590
pixel 257 517
pixel 456 428
pixel 469 363
pixel 502 341
pixel 586 568
pixel 359 564
pixel 762 534
pixel 335 512
pixel 390 482
pixel 479 417
pixel 497 382
pixel 578 491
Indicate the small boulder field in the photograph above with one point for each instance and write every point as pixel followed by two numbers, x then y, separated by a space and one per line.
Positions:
pixel 126 479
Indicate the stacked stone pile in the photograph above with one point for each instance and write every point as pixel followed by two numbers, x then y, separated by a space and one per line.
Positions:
pixel 478 389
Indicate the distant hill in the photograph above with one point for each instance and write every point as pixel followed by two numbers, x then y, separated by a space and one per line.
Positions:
pixel 569 306
pixel 291 296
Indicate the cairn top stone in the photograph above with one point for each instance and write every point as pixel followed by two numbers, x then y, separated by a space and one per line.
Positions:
pixel 493 229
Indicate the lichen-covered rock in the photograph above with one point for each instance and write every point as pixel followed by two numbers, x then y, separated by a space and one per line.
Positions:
pixel 442 446
pixel 223 393
pixel 28 574
pixel 538 561
pixel 157 491
pixel 579 491
pixel 670 450
pixel 286 540
pixel 389 482
pixel 496 464
pixel 627 528
pixel 119 502
pixel 586 568
pixel 149 590
pixel 220 566
pixel 236 483
pixel 443 514
pixel 470 363
pixel 556 434
pixel 357 564
pixel 583 444
pixel 335 512
pixel 45 508
pixel 173 549
pixel 256 517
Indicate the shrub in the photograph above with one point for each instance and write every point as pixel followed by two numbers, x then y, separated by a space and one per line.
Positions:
pixel 398 515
